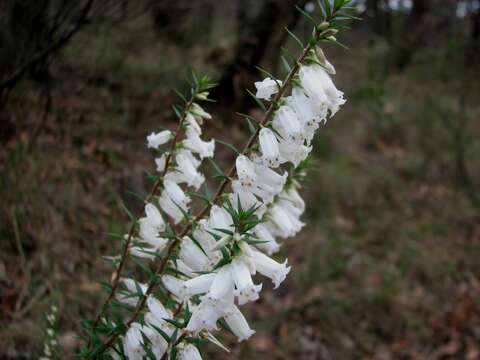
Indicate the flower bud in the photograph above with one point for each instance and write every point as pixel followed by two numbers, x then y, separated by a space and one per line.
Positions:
pixel 221 243
pixel 202 95
pixel 324 25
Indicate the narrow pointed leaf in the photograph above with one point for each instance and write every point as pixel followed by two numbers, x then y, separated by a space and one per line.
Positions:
pixel 230 146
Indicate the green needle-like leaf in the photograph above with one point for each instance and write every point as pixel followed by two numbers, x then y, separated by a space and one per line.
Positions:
pixel 306 15
pixel 217 168
pixel 260 104
pixel 230 146
pixel 294 37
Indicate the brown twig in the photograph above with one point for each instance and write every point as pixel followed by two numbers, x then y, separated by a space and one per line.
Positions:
pixel 9 82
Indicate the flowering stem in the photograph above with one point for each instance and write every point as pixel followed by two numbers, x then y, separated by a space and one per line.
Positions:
pixel 220 190
pixel 156 186
pixel 253 138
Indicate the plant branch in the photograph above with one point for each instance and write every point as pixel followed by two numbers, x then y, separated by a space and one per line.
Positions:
pixel 156 186
pixel 173 245
pixel 81 20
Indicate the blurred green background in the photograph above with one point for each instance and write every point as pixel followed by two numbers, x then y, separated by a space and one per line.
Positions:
pixel 387 267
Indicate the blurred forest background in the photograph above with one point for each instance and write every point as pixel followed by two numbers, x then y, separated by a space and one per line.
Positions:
pixel 388 266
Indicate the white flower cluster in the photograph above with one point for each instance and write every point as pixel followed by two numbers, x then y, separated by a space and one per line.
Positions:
pixel 173 201
pixel 216 262
pixel 50 344
pixel 179 167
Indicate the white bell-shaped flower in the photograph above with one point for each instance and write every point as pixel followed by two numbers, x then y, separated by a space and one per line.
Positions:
pixel 192 125
pixel 112 353
pixel 294 153
pixel 292 208
pixel 133 343
pixel 149 235
pixel 158 344
pixel 183 268
pixel 157 309
pixel 288 125
pixel 161 162
pixel 312 84
pixel 212 306
pixel 286 223
pixel 192 159
pixel 238 324
pixel 222 284
pixel 188 352
pixel 309 114
pixel 199 284
pixel 170 208
pixel 130 295
pixel 200 113
pixel 269 148
pixel 205 315
pixel 154 140
pixel 131 285
pixel 268 244
pixel 269 183
pixel 207 241
pixel 144 252
pixel 246 198
pixel 175 286
pixel 151 225
pixel 155 322
pixel 270 268
pixel 186 171
pixel 266 88
pixel 175 193
pixel 219 219
pixel 245 171
pixel 319 86
pixel 194 143
pixel 246 290
pixel 294 197
pixel 192 255
pixel 173 199
pixel 154 217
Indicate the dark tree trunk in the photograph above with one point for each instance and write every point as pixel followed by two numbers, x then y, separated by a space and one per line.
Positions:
pixel 379 18
pixel 169 20
pixel 25 30
pixel 415 32
pixel 373 15
pixel 475 37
